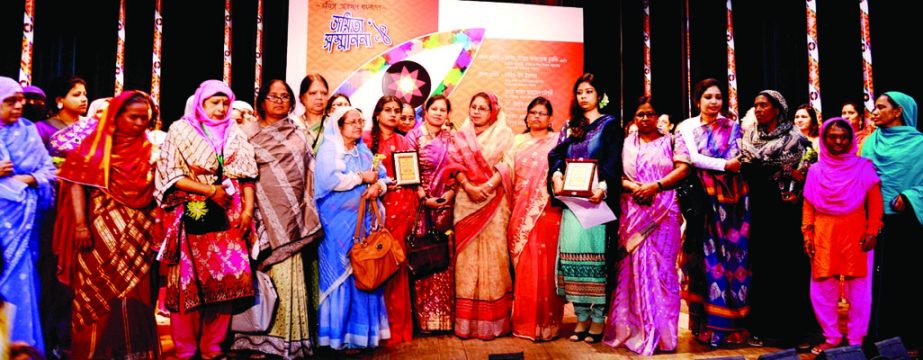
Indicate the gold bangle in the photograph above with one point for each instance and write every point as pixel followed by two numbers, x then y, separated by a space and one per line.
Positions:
pixel 82 228
pixel 214 190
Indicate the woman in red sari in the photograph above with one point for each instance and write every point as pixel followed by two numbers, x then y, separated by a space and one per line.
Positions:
pixel 106 232
pixel 399 201
pixel 533 229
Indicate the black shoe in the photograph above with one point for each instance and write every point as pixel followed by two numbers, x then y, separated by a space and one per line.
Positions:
pixel 578 336
pixel 592 338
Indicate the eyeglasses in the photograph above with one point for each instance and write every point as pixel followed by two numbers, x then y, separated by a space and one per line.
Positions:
pixel 277 98
pixel 645 114
pixel 538 113
pixel 479 109
pixel 358 123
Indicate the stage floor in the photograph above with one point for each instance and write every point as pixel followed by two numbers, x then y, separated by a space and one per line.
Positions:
pixel 446 346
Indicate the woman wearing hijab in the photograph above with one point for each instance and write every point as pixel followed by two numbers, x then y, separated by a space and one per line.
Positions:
pixel 286 221
pixel 772 153
pixel 842 217
pixel 106 232
pixel 896 148
pixel 349 318
pixel 26 191
pixel 480 161
pixel 204 182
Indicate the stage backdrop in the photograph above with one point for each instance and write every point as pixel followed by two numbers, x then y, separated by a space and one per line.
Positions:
pixel 413 49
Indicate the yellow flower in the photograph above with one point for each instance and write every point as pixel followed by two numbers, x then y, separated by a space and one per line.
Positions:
pixel 196 209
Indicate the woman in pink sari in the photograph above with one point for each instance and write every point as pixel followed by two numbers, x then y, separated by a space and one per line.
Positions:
pixel 479 160
pixel 533 229
pixel 434 296
pixel 645 309
pixel 206 160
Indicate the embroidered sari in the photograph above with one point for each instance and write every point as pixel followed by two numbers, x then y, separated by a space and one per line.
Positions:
pixel 533 238
pixel 434 296
pixel 645 310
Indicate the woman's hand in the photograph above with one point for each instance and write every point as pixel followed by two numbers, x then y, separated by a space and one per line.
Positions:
pixel 220 196
pixel 25 179
pixel 809 247
pixel 368 176
pixel 372 192
pixel 557 185
pixel 898 204
pixel 645 193
pixel 732 165
pixel 82 239
pixel 246 220
pixel 6 168
pixel 477 193
pixel 597 196
pixel 868 242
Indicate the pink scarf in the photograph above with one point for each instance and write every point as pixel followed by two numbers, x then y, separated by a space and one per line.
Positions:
pixel 837 184
pixel 217 133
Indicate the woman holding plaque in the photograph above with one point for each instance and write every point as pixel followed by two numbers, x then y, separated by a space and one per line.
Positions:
pixel 583 265
pixel 645 309
pixel 715 259
pixel 434 296
pixel 479 160
pixel 343 177
pixel 533 230
pixel 399 202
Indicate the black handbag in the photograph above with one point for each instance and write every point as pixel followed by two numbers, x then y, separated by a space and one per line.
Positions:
pixel 427 254
pixel 693 200
pixel 214 218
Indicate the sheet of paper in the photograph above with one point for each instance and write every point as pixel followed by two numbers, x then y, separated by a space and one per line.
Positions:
pixel 588 213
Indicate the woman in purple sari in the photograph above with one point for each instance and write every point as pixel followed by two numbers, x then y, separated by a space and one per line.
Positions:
pixel 434 296
pixel 645 310
pixel 68 103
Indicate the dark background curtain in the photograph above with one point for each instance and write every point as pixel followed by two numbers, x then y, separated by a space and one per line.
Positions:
pixel 79 38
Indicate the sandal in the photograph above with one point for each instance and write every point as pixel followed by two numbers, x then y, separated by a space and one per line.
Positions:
pixel 821 347
pixel 590 338
pixel 755 341
pixel 578 336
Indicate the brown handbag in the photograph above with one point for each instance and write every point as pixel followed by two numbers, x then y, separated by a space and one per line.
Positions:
pixel 376 257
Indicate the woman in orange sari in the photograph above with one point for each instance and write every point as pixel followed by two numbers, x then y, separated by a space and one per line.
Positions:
pixel 399 202
pixel 106 232
pixel 479 160
pixel 533 229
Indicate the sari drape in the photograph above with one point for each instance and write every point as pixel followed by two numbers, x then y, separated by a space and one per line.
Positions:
pixel 533 238
pixel 483 285
pixel 645 311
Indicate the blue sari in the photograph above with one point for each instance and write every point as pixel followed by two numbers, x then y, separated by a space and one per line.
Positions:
pixel 20 207
pixel 348 317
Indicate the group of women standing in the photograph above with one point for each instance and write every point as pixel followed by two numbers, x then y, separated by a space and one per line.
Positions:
pixel 226 203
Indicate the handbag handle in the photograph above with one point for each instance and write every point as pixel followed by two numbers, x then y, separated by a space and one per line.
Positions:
pixel 376 218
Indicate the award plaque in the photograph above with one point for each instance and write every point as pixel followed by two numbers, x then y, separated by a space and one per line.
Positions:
pixel 578 177
pixel 406 168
